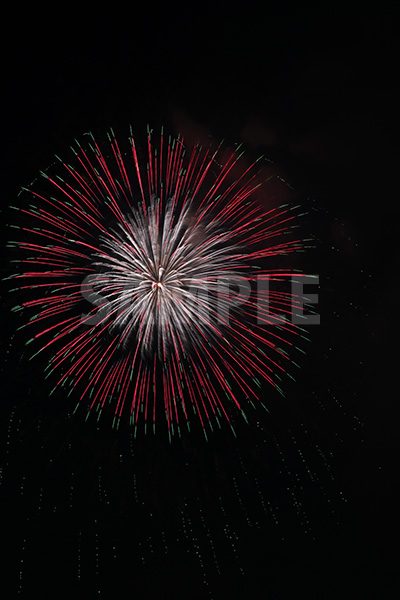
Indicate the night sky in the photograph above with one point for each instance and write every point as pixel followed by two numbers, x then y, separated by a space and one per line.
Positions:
pixel 300 504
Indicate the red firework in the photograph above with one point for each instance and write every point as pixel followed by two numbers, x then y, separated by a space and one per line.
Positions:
pixel 130 260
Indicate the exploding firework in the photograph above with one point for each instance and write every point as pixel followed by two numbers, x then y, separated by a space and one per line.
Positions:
pixel 134 259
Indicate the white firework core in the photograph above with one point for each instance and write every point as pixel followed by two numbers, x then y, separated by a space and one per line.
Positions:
pixel 159 273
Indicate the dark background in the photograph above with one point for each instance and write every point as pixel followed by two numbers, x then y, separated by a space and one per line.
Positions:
pixel 86 511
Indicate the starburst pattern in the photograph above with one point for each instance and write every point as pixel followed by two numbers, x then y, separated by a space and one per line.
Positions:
pixel 131 259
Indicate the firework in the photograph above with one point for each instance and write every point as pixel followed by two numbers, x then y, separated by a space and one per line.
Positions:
pixel 131 257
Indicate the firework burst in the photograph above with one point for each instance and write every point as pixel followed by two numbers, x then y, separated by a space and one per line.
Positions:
pixel 131 259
